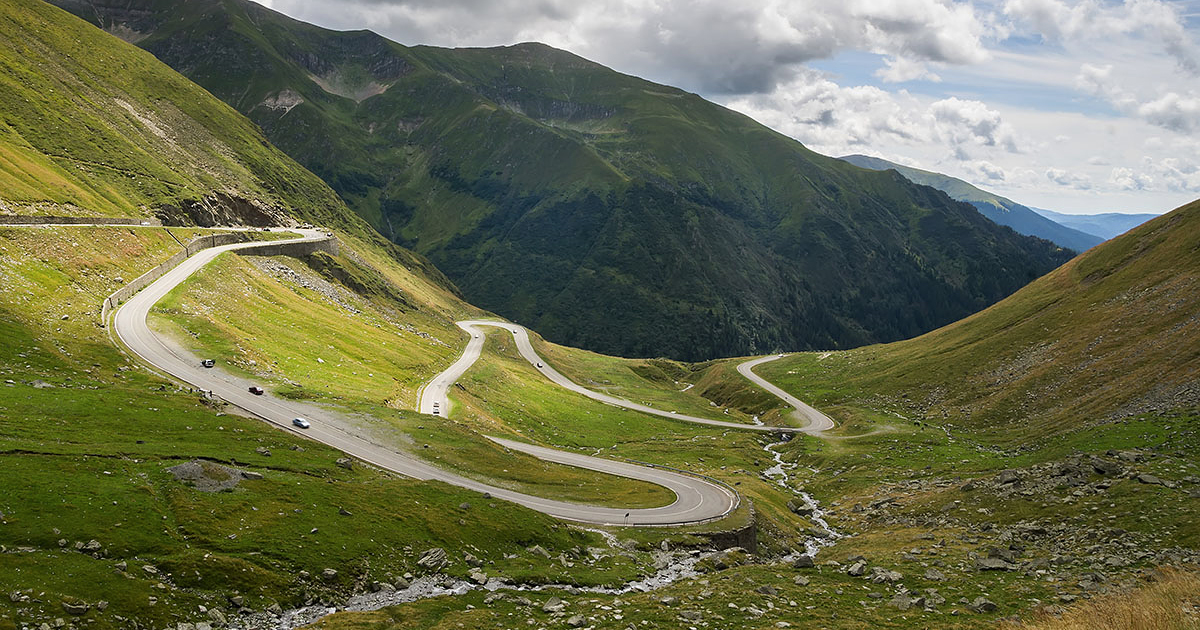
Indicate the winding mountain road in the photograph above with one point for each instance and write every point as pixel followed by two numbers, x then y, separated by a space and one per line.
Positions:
pixel 816 422
pixel 697 500
pixel 435 393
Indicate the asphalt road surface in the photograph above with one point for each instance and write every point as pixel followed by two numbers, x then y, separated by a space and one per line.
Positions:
pixel 697 500
pixel 435 392
pixel 816 422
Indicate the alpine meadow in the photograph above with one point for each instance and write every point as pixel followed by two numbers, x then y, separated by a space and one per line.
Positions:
pixel 380 315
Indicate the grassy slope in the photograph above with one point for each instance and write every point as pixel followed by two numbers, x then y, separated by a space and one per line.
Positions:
pixel 1111 333
pixel 1167 600
pixel 373 359
pixel 90 125
pixel 99 442
pixel 87 435
pixel 898 486
pixel 602 210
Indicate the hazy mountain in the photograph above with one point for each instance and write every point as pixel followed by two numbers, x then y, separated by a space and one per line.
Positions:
pixel 999 209
pixel 1106 225
pixel 603 210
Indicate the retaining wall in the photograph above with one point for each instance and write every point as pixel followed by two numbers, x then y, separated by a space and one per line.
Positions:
pixel 295 250
pixel 20 219
pixel 745 537
pixel 268 248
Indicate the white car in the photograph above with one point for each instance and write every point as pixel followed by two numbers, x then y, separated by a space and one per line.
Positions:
pixel 301 422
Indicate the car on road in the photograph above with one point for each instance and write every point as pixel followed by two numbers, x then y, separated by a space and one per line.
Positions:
pixel 256 390
pixel 436 411
pixel 208 363
pixel 301 422
pixel 539 364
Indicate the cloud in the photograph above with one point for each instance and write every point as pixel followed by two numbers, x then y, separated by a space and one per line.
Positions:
pixel 1068 179
pixel 743 47
pixel 1125 177
pixel 1170 110
pixel 966 122
pixel 1059 21
pixel 900 70
pixel 984 170
pixel 838 120
pixel 1179 113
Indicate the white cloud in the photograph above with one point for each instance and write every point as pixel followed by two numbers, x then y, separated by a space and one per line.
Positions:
pixel 1179 113
pixel 900 70
pixel 1066 178
pixel 986 171
pixel 1126 178
pixel 963 123
pixel 714 47
pixel 1057 20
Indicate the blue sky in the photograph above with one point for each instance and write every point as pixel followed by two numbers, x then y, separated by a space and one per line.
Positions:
pixel 1075 106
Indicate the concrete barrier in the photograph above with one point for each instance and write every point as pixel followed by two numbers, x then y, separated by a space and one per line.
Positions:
pixel 295 250
pixel 267 248
pixel 20 219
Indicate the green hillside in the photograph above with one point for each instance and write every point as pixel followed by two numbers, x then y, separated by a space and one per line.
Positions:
pixel 90 125
pixel 1002 210
pixel 1111 334
pixel 94 525
pixel 602 210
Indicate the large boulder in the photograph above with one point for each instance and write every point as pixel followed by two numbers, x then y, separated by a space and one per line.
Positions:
pixel 433 559
pixel 994 564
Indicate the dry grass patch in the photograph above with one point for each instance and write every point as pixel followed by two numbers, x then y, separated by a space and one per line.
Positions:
pixel 1171 601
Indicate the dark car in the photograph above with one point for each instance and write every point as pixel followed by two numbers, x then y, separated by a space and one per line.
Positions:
pixel 208 363
pixel 256 390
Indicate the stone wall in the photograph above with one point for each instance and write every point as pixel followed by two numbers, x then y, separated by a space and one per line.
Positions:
pixel 295 250
pixel 268 248
pixel 745 537
pixel 20 219
pixel 144 280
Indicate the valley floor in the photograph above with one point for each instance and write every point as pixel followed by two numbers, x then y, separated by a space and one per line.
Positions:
pixel 880 521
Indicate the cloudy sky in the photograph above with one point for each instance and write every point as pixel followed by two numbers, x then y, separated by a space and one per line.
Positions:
pixel 1075 106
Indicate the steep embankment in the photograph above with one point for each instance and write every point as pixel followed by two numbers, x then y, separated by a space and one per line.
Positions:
pixel 602 210
pixel 1114 332
pixel 92 126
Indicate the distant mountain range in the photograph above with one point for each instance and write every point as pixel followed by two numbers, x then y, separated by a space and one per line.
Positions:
pixel 1107 225
pixel 999 209
pixel 603 210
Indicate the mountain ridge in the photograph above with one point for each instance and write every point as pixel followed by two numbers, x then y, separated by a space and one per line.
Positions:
pixel 1000 209
pixel 600 209
pixel 1106 225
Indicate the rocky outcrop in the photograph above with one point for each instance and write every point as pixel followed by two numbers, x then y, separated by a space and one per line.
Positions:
pixel 222 209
